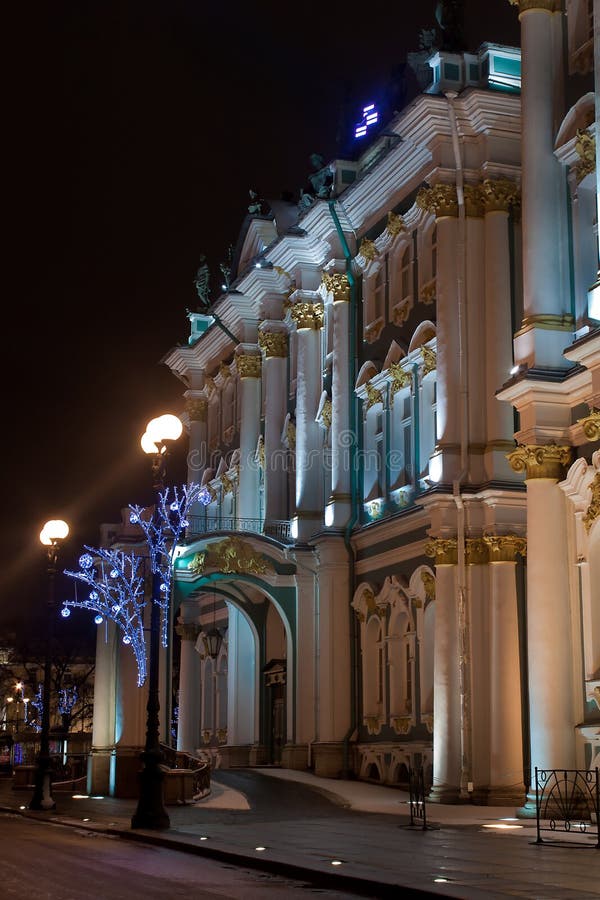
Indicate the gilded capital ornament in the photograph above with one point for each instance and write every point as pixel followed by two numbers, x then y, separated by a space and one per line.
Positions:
pixel 593 510
pixel 307 315
pixel 338 285
pixel 196 408
pixel 441 200
pixel 248 366
pixel 227 485
pixel 429 584
pixel 525 5
pixel 585 145
pixel 373 395
pixel 474 200
pixel 326 413
pixel 499 194
pixel 443 550
pixel 290 433
pixel 273 343
pixel 546 461
pixel 188 631
pixel 591 425
pixel 395 224
pixel 368 250
pixel 476 552
pixel 400 378
pixel 505 547
pixel 429 360
pixel 224 370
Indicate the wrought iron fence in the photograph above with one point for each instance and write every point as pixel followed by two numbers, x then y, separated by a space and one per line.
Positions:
pixel 417 792
pixel 279 529
pixel 568 805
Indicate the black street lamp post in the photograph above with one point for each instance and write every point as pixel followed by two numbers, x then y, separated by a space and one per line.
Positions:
pixel 51 536
pixel 150 812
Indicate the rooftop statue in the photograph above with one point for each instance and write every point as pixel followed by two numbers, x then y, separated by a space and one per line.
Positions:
pixel 202 282
pixel 255 207
pixel 450 15
pixel 321 180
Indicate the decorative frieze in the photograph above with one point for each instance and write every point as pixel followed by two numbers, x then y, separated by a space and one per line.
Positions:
pixel 546 461
pixel 248 365
pixel 395 224
pixel 499 194
pixel 443 550
pixel 196 408
pixel 441 200
pixel 337 284
pixel 231 556
pixel 307 315
pixel 591 425
pixel 505 547
pixel 273 343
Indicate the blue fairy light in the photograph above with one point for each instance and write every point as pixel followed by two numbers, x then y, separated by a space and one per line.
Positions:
pixel 86 561
pixel 164 588
pixel 65 612
pixel 134 518
pixel 98 620
pixel 174 507
pixel 114 573
pixel 126 639
pixel 93 595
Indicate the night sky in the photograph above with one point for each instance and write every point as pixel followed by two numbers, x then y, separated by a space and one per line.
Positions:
pixel 134 132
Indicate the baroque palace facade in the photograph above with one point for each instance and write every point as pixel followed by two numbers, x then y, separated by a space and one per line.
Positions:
pixel 393 411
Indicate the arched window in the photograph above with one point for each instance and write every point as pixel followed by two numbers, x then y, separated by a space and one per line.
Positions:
pixel 402 665
pixel 373 670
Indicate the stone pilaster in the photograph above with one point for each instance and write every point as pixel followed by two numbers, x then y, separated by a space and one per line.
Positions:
pixel 196 407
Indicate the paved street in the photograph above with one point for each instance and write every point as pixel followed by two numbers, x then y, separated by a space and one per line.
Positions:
pixel 304 824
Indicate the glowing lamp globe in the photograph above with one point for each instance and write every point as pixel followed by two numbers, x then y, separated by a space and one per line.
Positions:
pixel 148 445
pixel 164 428
pixel 53 531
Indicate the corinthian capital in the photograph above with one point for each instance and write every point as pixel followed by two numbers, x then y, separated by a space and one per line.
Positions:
pixel 196 408
pixel 443 551
pixel 546 461
pixel 525 5
pixel 505 547
pixel 248 365
pixel 338 285
pixel 273 343
pixel 188 631
pixel 307 315
pixel 499 194
pixel 441 200
pixel 591 425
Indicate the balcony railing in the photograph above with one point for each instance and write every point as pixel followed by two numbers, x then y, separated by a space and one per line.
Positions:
pixel 279 530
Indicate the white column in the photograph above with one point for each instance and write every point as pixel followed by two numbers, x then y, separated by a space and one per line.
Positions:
pixel 242 681
pixel 594 291
pixel 309 476
pixel 549 638
pixel 103 729
pixel 248 361
pixel 498 196
pixel 341 439
pixel 506 732
pixel 446 677
pixel 273 340
pixel 188 725
pixel 543 192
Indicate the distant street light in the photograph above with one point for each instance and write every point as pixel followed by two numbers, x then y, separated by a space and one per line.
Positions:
pixel 52 535
pixel 150 812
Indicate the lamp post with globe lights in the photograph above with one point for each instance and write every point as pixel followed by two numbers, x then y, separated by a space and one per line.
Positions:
pixel 150 812
pixel 52 536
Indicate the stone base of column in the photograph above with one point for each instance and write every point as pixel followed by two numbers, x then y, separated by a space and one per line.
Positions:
pixel 98 771
pixel 528 810
pixel 125 769
pixel 499 795
pixel 328 759
pixel 295 756
pixel 444 793
pixel 258 755
pixel 232 757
